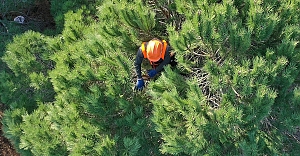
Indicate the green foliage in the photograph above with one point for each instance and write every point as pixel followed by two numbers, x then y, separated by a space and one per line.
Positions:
pixel 188 124
pixel 131 146
pixel 133 23
pixel 92 81
pixel 235 91
pixel 60 8
pixel 242 72
pixel 96 76
pixel 61 132
pixel 28 53
pixel 16 94
pixel 12 127
pixel 28 58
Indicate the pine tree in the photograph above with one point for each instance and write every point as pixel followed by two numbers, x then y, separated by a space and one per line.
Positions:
pixel 235 91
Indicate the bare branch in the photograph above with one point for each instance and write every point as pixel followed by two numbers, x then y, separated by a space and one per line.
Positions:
pixel 200 54
pixel 236 93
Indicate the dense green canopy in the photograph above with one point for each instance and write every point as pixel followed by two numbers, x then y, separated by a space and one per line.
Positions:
pixel 235 90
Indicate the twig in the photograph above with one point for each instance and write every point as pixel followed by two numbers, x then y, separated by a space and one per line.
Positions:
pixel 293 136
pixel 200 54
pixel 237 94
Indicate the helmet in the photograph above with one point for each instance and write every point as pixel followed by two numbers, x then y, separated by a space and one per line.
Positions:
pixel 154 50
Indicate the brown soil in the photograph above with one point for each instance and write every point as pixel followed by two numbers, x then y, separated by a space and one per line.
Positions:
pixel 6 149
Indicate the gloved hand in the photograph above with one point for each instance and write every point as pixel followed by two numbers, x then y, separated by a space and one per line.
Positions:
pixel 139 85
pixel 152 73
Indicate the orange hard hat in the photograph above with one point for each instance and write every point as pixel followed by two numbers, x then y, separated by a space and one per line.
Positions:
pixel 154 50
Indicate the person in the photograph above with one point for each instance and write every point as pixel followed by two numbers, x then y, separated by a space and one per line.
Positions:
pixel 158 53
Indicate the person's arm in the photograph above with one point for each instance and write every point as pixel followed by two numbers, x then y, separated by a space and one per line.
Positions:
pixel 138 63
pixel 165 61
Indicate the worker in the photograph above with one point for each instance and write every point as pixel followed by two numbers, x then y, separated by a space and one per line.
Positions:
pixel 158 53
